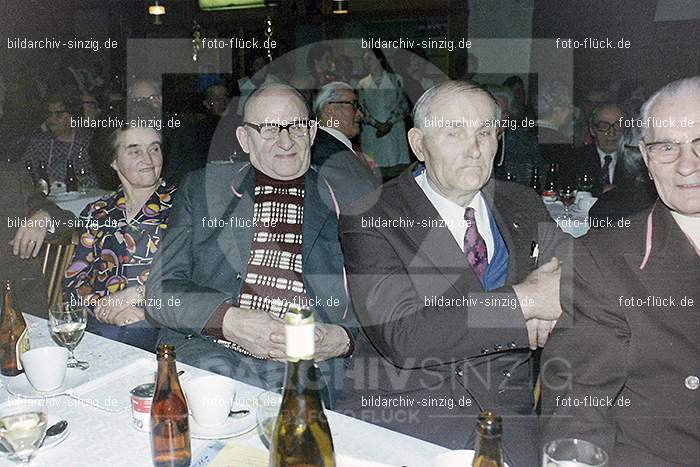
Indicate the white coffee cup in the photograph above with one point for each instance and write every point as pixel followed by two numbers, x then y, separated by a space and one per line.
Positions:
pixel 210 398
pixel 45 367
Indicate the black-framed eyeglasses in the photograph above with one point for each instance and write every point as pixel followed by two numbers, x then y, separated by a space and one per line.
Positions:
pixel 667 152
pixel 355 104
pixel 297 128
pixel 605 127
pixel 151 98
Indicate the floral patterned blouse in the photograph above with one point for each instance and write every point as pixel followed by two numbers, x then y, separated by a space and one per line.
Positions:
pixel 114 254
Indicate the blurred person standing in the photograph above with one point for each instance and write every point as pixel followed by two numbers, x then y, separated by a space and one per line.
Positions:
pixel 384 109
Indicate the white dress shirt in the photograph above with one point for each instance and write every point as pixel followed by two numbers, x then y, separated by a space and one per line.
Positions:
pixel 690 226
pixel 453 214
pixel 611 168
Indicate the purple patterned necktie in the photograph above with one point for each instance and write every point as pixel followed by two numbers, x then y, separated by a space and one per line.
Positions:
pixel 474 245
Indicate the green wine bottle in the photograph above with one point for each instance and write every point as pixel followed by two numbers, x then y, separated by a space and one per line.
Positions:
pixel 301 437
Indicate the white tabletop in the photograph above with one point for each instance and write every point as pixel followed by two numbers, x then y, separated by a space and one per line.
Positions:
pixel 76 201
pixel 576 225
pixel 99 438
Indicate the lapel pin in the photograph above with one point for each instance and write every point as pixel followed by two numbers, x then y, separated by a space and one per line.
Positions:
pixel 515 226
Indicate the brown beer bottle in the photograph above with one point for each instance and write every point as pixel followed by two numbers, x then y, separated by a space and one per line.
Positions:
pixel 14 340
pixel 71 178
pixel 170 430
pixel 488 445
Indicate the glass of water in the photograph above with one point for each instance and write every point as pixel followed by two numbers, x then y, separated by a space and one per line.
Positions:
pixel 267 407
pixel 572 452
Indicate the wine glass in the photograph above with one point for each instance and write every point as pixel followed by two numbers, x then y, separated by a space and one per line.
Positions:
pixel 22 431
pixel 567 198
pixel 267 407
pixel 585 183
pixel 67 325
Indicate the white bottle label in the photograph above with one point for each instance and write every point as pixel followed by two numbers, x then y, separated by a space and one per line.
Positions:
pixel 300 341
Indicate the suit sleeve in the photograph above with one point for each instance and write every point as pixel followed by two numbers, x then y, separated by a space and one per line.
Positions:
pixel 406 330
pixel 176 300
pixel 586 361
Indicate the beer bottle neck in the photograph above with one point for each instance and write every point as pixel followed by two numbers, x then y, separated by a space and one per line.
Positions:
pixel 489 446
pixel 166 372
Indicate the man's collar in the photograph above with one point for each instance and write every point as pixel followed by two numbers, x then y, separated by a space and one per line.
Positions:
pixel 337 135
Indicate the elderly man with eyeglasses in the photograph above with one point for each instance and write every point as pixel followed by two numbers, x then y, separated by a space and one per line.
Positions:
pixel 625 376
pixel 600 160
pixel 333 153
pixel 248 240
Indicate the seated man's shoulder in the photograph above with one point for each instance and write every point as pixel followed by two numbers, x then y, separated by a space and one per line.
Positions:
pixel 380 200
pixel 517 192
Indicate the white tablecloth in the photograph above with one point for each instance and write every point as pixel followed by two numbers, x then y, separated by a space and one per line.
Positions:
pixel 577 226
pixel 99 438
pixel 77 204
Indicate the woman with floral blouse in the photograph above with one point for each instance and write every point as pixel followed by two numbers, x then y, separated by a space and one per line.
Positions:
pixel 119 237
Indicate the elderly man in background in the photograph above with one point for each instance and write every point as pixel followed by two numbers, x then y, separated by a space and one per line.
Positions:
pixel 248 240
pixel 443 274
pixel 625 376
pixel 333 153
pixel 600 160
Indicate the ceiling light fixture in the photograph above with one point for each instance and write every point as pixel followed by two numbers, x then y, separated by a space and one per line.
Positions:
pixel 341 7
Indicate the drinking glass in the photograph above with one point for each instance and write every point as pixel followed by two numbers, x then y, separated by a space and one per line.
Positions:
pixel 567 198
pixel 67 325
pixel 585 183
pixel 22 431
pixel 573 453
pixel 267 407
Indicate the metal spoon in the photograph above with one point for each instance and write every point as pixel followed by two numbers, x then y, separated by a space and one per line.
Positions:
pixel 238 413
pixel 57 428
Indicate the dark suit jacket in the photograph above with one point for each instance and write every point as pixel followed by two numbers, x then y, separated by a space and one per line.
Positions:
pixel 585 160
pixel 411 351
pixel 348 176
pixel 639 357
pixel 19 199
pixel 203 267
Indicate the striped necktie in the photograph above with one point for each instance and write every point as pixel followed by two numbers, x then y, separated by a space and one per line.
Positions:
pixel 606 169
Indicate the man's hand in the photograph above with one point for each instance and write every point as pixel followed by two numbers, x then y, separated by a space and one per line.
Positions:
pixel 538 294
pixel 120 308
pixel 29 240
pixel 538 331
pixel 383 129
pixel 331 341
pixel 257 332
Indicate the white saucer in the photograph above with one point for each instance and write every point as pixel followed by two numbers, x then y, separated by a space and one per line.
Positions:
pixel 20 386
pixel 50 441
pixel 231 428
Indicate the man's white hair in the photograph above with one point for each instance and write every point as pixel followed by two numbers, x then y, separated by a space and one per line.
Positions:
pixel 421 111
pixel 328 93
pixel 673 88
